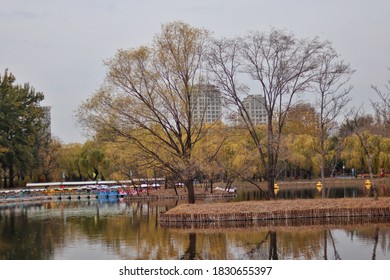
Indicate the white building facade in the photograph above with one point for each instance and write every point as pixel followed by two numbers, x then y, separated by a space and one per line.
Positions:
pixel 206 104
pixel 255 106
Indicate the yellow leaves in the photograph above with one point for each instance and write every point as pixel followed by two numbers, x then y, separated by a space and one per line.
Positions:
pixel 384 154
pixel 235 157
pixel 128 60
pixel 302 119
pixel 377 146
pixel 300 151
pixel 179 38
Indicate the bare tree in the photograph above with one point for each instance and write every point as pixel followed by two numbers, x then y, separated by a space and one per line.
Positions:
pixel 331 101
pixel 382 107
pixel 282 66
pixel 148 99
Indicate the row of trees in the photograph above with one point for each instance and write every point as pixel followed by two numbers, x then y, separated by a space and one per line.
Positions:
pixel 143 125
pixel 146 101
pixel 111 157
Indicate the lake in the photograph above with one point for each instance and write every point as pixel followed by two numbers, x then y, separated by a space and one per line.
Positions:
pixel 129 230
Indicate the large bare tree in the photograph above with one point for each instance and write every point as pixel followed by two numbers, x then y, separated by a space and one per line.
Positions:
pixel 332 97
pixel 282 66
pixel 147 98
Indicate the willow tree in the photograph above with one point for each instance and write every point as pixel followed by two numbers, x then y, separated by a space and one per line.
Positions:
pixel 147 98
pixel 363 128
pixel 281 67
pixel 297 149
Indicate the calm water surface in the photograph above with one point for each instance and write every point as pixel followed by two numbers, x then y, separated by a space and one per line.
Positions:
pixel 130 230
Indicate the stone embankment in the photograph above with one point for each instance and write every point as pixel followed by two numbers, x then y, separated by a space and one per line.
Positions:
pixel 277 210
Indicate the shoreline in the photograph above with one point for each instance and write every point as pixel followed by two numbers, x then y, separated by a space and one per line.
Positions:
pixel 95 197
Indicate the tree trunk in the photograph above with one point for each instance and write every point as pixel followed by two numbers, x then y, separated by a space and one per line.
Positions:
pixel 271 174
pixel 175 189
pixel 271 159
pixel 271 177
pixel 323 190
pixel 228 184
pixel 5 178
pixel 373 191
pixel 271 187
pixel 191 192
pixel 11 175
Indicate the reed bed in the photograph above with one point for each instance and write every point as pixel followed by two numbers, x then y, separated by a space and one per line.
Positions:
pixel 278 210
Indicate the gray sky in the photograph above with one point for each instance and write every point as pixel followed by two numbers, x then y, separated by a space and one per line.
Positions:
pixel 58 46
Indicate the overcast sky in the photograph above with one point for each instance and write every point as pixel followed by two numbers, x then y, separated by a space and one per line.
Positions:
pixel 58 46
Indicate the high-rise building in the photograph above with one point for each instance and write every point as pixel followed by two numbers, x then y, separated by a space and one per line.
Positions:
pixel 255 106
pixel 206 104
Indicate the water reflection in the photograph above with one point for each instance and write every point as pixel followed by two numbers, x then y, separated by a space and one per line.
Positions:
pixel 131 230
pixel 304 192
pixel 190 253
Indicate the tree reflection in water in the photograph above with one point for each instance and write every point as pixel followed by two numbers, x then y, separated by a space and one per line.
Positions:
pixel 273 248
pixel 251 253
pixel 376 238
pixel 131 230
pixel 336 254
pixel 190 253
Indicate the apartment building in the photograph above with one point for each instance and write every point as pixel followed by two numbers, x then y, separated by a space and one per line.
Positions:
pixel 206 104
pixel 255 106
